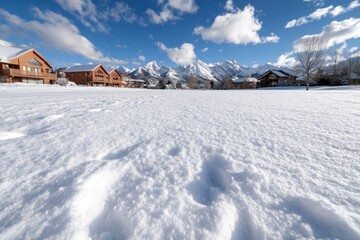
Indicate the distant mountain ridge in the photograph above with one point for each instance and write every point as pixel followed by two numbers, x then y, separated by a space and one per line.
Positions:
pixel 152 73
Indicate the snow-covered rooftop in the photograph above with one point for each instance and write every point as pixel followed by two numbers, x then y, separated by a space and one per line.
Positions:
pixel 354 76
pixel 82 68
pixel 279 74
pixel 244 79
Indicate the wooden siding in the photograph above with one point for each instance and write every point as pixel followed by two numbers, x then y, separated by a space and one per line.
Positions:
pixel 27 67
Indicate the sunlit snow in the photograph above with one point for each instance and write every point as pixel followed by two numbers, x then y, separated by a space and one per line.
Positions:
pixel 107 163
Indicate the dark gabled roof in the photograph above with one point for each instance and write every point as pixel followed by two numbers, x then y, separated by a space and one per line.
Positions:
pixel 82 68
pixel 279 73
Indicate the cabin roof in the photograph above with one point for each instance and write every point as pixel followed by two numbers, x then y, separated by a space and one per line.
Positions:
pixel 83 68
pixel 354 76
pixel 279 73
pixel 242 79
pixel 9 53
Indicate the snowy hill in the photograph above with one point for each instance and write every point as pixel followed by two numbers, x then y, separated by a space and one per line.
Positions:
pixel 125 70
pixel 197 68
pixel 171 74
pixel 108 163
pixel 153 69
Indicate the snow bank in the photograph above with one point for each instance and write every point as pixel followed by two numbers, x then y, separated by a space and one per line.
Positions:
pixel 108 163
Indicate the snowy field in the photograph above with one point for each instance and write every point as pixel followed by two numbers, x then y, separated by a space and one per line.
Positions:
pixel 103 163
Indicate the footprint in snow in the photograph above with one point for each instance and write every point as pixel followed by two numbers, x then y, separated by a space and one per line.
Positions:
pixel 174 151
pixel 10 135
pixel 213 180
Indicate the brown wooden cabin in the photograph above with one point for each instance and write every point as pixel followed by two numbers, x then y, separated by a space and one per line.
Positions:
pixel 274 78
pixel 26 66
pixel 137 83
pixel 116 79
pixel 244 82
pixel 90 75
pixel 354 79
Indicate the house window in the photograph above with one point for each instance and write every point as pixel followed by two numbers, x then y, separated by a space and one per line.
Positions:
pixel 24 68
pixel 33 61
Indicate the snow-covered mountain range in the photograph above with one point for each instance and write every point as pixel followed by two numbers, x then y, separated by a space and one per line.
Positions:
pixel 152 72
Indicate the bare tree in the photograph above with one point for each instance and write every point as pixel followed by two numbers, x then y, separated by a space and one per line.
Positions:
pixel 335 64
pixel 356 64
pixel 193 82
pixel 228 83
pixel 310 55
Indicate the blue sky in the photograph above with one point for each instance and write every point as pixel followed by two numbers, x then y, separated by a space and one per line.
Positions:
pixel 175 32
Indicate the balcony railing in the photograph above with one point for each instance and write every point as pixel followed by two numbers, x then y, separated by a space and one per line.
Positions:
pixel 20 73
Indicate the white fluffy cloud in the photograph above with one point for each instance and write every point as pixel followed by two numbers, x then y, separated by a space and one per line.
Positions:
pixel 316 2
pixel 92 17
pixel 336 32
pixel 141 58
pixel 56 31
pixel 323 12
pixel 181 56
pixel 171 10
pixel 286 60
pixel 205 49
pixel 229 6
pixel 239 27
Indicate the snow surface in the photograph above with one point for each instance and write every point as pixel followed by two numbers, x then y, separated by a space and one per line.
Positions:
pixel 108 163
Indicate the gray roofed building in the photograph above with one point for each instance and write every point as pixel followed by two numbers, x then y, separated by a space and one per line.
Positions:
pixel 82 68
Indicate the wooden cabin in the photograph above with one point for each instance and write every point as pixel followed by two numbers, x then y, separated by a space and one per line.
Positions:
pixel 274 78
pixel 244 82
pixel 137 83
pixel 90 75
pixel 26 66
pixel 354 79
pixel 116 79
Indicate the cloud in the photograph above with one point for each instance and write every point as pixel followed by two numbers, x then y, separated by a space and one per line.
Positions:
pixel 337 11
pixel 185 6
pixel 205 49
pixel 86 12
pixel 286 60
pixel 171 10
pixel 181 56
pixel 120 12
pixel 336 32
pixel 239 27
pixel 4 43
pixel 91 16
pixel 141 58
pixel 229 6
pixel 272 38
pixel 55 31
pixel 164 16
pixel 318 3
pixel 322 12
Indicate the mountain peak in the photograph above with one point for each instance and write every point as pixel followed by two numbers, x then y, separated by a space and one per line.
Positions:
pixel 152 65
